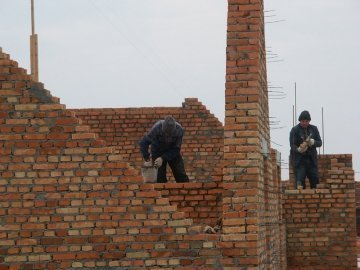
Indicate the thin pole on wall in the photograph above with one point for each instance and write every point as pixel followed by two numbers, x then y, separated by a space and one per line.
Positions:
pixel 293 115
pixel 323 129
pixel 295 102
pixel 34 64
pixel 32 18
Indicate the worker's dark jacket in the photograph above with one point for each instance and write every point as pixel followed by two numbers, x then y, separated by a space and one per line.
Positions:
pixel 162 146
pixel 299 135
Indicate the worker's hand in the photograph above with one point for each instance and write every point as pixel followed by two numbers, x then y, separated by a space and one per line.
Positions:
pixel 303 147
pixel 148 163
pixel 311 142
pixel 304 144
pixel 158 162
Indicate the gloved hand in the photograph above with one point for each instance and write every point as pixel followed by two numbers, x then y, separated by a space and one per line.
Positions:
pixel 311 142
pixel 148 163
pixel 303 147
pixel 158 162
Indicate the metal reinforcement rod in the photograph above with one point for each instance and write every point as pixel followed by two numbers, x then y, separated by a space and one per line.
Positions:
pixel 323 129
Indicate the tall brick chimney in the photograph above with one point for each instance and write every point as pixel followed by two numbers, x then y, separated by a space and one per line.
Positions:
pixel 246 137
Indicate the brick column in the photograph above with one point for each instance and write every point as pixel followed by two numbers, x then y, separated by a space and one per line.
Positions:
pixel 246 137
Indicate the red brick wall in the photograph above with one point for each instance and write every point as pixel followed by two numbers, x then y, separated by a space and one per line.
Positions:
pixel 321 228
pixel 202 147
pixel 70 198
pixel 276 243
pixel 202 202
pixel 324 166
pixel 69 201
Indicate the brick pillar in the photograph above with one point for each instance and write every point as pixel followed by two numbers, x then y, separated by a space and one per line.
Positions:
pixel 246 137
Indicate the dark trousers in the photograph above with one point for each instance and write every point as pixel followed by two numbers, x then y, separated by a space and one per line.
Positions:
pixel 308 169
pixel 177 168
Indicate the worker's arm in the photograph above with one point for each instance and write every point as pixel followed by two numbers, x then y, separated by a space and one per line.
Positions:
pixel 144 147
pixel 292 138
pixel 147 140
pixel 317 138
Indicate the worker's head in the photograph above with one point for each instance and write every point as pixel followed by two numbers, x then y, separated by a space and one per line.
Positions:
pixel 304 119
pixel 168 125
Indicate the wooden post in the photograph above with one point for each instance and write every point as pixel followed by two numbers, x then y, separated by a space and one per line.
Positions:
pixel 34 64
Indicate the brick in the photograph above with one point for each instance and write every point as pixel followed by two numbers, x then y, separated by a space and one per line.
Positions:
pixel 133 255
pixel 148 194
pixel 45 166
pixel 103 150
pixel 11 137
pixel 26 242
pixel 12 259
pixel 7 242
pixel 9 93
pixel 83 224
pixel 51 107
pixel 88 255
pixel 75 151
pixel 64 256
pixel 179 223
pixel 81 136
pixel 26 107
pixel 17 121
pixel 34 136
pixel 52 241
pixel 99 239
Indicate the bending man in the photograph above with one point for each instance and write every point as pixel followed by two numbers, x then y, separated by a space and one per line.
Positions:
pixel 165 138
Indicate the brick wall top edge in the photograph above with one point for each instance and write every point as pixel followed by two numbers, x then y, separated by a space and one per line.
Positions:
pixel 190 185
pixel 134 109
pixel 335 156
pixel 124 109
pixel 190 104
pixel 187 101
pixel 307 191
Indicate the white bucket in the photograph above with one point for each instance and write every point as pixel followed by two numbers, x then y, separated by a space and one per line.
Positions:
pixel 149 174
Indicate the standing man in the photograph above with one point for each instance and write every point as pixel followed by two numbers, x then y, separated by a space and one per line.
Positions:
pixel 165 138
pixel 304 138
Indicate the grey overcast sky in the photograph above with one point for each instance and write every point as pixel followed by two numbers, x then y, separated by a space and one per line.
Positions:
pixel 136 53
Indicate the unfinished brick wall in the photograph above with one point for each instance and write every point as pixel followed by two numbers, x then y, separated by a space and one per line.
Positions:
pixel 324 166
pixel 202 151
pixel 69 201
pixel 202 147
pixel 321 228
